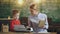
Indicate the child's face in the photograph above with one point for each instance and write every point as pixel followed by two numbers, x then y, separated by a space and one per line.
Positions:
pixel 33 11
pixel 16 16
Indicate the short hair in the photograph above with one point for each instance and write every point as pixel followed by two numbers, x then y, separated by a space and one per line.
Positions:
pixel 15 11
pixel 32 6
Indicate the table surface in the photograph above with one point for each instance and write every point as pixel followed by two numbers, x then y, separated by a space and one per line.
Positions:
pixel 26 33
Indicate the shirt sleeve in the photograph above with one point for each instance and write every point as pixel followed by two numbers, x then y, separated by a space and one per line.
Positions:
pixel 46 22
pixel 12 26
pixel 29 24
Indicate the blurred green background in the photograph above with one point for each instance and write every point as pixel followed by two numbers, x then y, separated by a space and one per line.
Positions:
pixel 49 7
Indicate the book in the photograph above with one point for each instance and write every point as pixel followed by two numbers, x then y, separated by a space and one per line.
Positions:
pixel 41 23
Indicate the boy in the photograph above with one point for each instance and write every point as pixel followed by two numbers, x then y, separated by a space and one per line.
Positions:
pixel 15 20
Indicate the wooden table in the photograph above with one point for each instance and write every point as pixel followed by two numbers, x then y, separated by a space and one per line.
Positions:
pixel 26 33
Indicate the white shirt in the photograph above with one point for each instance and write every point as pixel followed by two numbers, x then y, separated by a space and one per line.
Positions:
pixel 36 19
